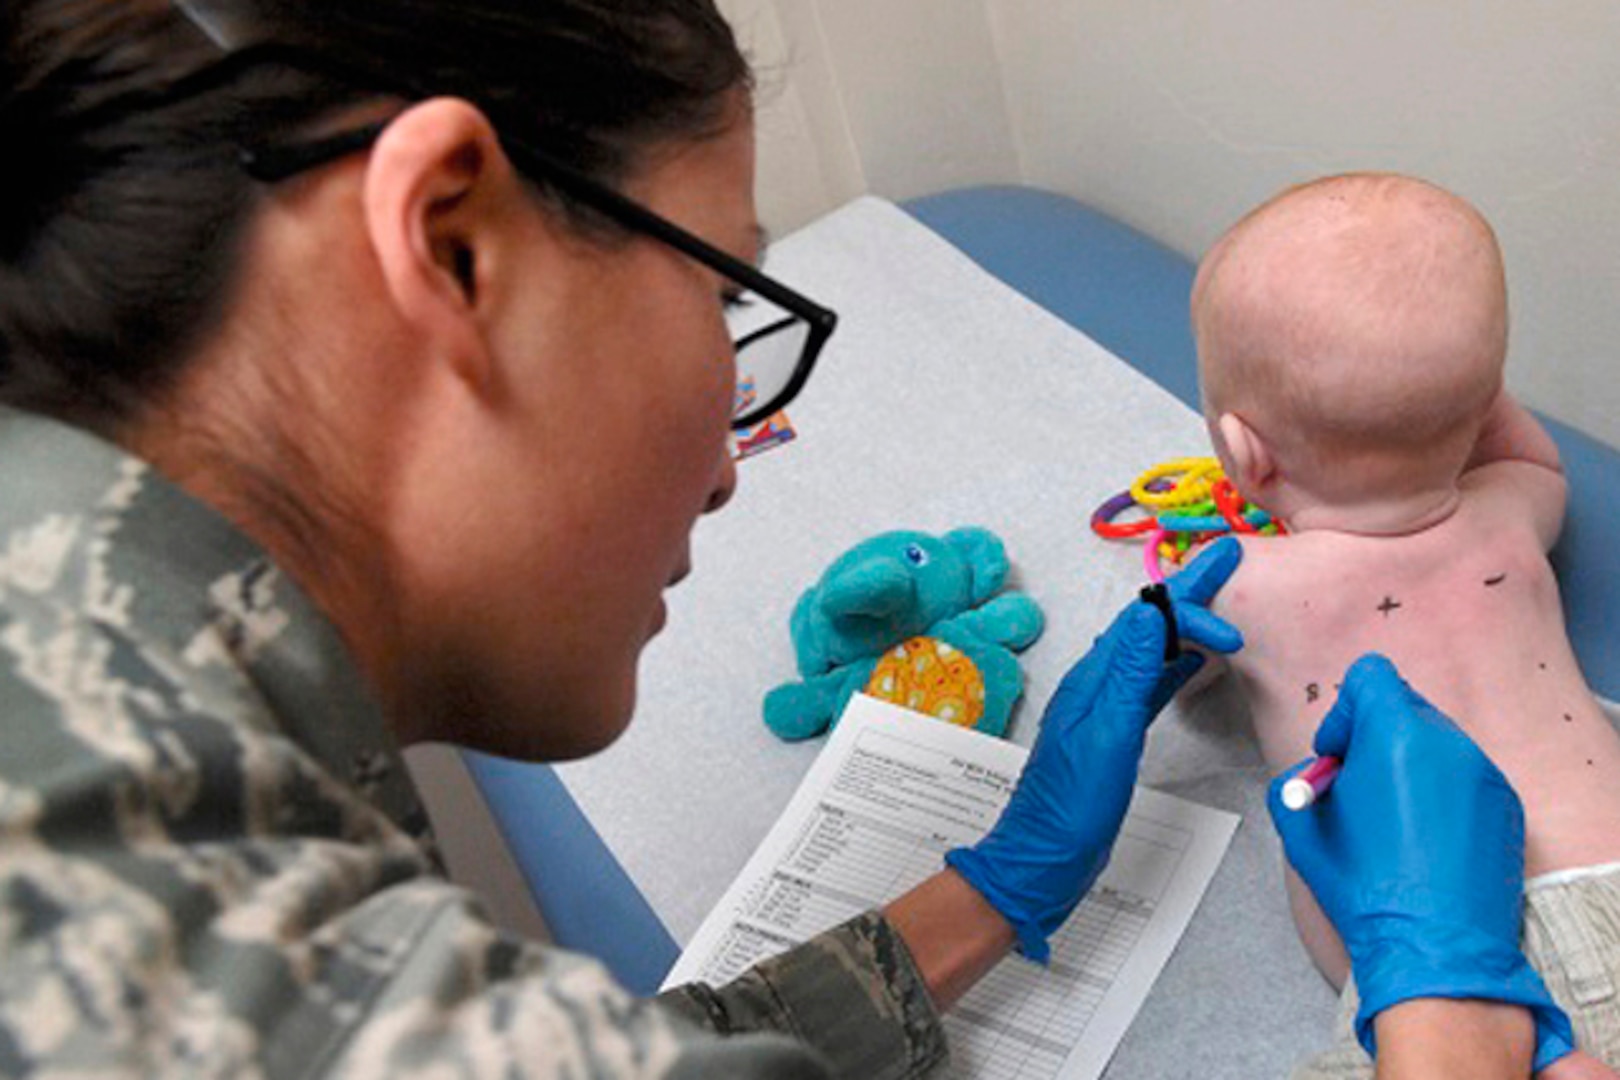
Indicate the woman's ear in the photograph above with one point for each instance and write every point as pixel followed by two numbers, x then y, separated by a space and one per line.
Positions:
pixel 435 191
pixel 1253 466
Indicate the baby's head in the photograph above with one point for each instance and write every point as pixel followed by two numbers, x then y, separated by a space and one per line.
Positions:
pixel 1351 336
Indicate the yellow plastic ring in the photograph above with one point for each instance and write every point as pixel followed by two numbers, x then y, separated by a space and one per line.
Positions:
pixel 1194 479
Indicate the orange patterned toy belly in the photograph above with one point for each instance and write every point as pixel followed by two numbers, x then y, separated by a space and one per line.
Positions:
pixel 929 676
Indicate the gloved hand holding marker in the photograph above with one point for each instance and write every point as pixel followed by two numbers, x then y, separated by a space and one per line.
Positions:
pixel 1311 783
pixel 1417 858
pixel 1049 846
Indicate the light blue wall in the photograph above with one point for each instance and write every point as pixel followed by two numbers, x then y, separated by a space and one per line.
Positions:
pixel 1178 115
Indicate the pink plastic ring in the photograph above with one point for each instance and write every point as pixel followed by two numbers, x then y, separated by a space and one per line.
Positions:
pixel 1150 556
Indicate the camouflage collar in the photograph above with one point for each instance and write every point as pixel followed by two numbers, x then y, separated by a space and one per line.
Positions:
pixel 87 527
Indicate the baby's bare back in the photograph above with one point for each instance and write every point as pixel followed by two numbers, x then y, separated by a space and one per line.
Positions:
pixel 1469 611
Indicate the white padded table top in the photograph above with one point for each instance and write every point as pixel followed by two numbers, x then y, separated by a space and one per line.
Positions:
pixel 945 399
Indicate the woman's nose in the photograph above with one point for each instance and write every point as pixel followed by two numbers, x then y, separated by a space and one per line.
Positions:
pixel 725 484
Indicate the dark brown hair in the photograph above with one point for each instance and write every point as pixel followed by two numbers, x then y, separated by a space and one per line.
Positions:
pixel 122 200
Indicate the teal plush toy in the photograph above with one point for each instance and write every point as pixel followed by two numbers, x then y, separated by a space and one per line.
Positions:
pixel 911 618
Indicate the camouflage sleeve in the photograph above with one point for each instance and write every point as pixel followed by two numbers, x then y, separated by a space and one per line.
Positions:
pixel 853 993
pixel 466 1000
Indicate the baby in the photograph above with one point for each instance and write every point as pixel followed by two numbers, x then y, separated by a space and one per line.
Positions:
pixel 1351 337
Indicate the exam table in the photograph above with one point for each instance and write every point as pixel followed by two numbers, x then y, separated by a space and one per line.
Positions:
pixel 1129 295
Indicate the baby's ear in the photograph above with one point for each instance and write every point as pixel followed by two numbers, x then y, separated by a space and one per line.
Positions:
pixel 1249 455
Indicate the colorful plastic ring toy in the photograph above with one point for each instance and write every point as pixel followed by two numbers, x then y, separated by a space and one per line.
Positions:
pixel 1150 556
pixel 1191 483
pixel 1102 519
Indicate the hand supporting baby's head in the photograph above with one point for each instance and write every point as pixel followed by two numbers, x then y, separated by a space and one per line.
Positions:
pixel 1351 337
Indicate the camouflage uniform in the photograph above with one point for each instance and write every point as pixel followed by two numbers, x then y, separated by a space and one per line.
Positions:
pixel 212 861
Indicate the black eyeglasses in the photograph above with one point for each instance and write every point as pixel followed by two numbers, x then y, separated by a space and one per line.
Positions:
pixel 777 332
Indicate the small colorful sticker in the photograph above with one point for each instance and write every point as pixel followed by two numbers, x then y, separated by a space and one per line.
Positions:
pixel 771 432
pixel 746 395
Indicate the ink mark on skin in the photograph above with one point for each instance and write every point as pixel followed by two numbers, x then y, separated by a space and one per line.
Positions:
pixel 1389 605
pixel 1497 580
pixel 1312 693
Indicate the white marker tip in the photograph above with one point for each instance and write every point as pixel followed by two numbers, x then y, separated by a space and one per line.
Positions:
pixel 1297 794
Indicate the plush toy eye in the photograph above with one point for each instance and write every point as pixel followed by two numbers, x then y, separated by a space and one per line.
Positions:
pixel 916 556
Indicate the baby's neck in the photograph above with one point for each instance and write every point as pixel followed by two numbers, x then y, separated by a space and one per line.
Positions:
pixel 1376 517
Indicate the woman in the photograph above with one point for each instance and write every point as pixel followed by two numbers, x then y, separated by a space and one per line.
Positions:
pixel 317 321
pixel 331 306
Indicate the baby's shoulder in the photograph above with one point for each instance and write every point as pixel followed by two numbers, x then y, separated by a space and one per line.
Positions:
pixel 1275 566
pixel 1277 560
pixel 1525 500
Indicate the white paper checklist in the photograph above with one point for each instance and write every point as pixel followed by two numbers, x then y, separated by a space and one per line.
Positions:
pixel 888 796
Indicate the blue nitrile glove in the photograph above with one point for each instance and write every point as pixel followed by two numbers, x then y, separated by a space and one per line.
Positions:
pixel 1055 835
pixel 1416 854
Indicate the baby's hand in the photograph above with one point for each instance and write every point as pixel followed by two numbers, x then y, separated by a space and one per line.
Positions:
pixel 1577 1066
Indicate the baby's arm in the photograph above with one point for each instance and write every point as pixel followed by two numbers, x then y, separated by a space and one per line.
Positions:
pixel 1510 433
pixel 1577 1066
pixel 1321 940
pixel 1515 470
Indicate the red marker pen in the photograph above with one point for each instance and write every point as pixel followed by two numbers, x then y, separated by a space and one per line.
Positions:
pixel 1311 784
